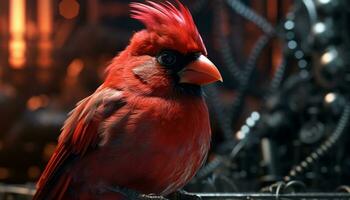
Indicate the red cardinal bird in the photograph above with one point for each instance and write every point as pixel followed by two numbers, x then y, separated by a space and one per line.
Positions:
pixel 147 126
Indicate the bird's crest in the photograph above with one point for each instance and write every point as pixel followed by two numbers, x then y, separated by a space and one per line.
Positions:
pixel 167 19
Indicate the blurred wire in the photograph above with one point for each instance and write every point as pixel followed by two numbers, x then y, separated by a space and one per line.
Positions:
pixel 220 161
pixel 235 73
pixel 244 77
pixel 278 77
pixel 247 76
pixel 225 122
pixel 219 111
pixel 251 15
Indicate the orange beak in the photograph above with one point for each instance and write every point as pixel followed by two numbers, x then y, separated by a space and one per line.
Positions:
pixel 200 72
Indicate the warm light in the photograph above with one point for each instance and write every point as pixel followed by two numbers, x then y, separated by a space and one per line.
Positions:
pixel 330 97
pixel 45 16
pixel 17 46
pixel 37 102
pixel 17 16
pixel 75 67
pixel 44 58
pixel 240 135
pixel 45 30
pixel 329 56
pixel 69 8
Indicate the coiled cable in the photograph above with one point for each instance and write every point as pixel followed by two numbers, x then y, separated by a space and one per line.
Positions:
pixel 251 15
pixel 323 148
pixel 246 78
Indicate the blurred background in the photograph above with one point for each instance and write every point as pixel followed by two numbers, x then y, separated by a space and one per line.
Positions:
pixel 279 119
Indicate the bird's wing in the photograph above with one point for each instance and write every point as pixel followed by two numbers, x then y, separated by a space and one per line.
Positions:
pixel 79 134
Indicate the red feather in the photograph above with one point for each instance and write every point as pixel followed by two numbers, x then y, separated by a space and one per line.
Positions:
pixel 136 130
pixel 170 22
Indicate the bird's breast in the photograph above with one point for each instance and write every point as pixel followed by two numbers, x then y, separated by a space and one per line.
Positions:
pixel 157 148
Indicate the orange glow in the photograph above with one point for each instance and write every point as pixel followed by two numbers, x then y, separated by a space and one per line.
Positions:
pixel 45 30
pixel 17 46
pixel 33 172
pixel 74 68
pixel 45 16
pixel 49 149
pixel 69 9
pixel 37 102
pixel 4 173
pixel 44 58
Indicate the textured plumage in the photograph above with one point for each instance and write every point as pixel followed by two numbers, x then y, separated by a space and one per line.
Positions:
pixel 168 21
pixel 147 126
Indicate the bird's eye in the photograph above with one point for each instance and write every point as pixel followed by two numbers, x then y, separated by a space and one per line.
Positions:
pixel 167 58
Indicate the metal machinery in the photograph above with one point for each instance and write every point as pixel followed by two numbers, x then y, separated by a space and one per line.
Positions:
pixel 298 141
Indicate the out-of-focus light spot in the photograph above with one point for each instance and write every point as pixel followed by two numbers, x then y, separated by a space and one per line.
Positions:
pixel 245 129
pixel 255 116
pixel 324 1
pixel 250 122
pixel 289 25
pixel 37 102
pixel 303 73
pixel 33 172
pixel 329 56
pixel 44 58
pixel 45 16
pixel 69 9
pixel 302 63
pixel 292 44
pixel 48 151
pixel 4 173
pixel 319 28
pixel 330 97
pixel 240 135
pixel 17 53
pixel 31 30
pixel 17 44
pixel 75 67
pixel 298 54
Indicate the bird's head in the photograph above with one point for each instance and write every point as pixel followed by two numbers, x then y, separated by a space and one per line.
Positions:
pixel 168 54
